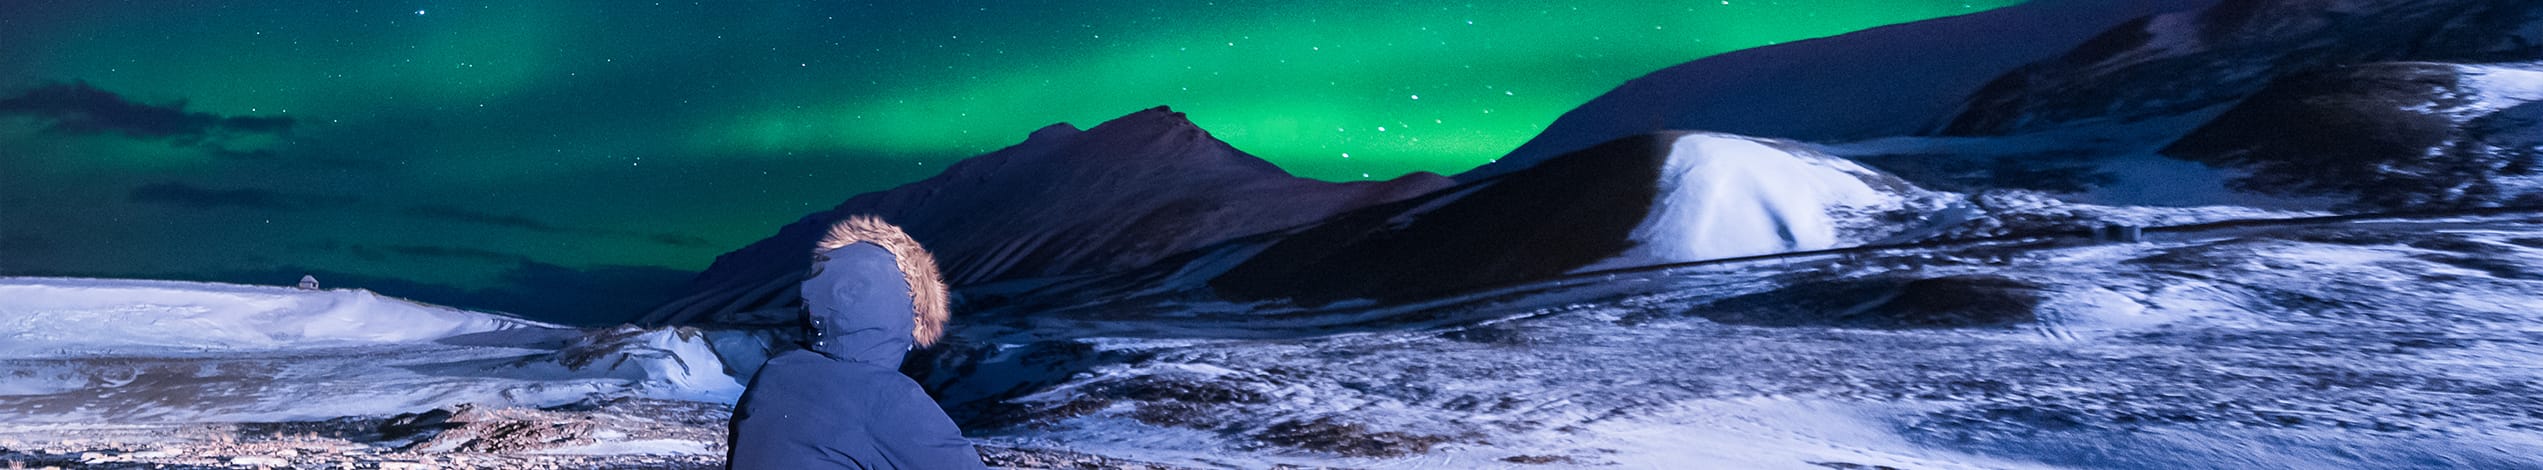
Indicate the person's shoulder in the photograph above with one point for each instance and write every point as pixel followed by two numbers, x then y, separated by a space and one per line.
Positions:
pixel 895 394
pixel 798 357
pixel 795 362
pixel 806 362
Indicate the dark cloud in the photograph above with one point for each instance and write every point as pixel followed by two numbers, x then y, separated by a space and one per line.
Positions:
pixel 462 214
pixel 79 109
pixel 187 195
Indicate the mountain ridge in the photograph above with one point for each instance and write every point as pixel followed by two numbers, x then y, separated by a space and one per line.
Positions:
pixel 1121 194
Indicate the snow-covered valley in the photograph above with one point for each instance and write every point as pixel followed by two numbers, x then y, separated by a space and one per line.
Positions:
pixel 2387 343
pixel 2216 234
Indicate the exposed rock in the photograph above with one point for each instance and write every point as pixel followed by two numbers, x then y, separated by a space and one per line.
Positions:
pixel 1346 438
pixel 1563 214
pixel 2386 136
pixel 1887 302
pixel 2183 62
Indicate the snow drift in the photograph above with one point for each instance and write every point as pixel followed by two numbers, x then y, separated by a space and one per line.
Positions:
pixel 1723 196
pixel 44 316
pixel 132 351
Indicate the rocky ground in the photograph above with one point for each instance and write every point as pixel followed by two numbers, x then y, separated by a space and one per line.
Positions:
pixel 624 434
pixel 2366 344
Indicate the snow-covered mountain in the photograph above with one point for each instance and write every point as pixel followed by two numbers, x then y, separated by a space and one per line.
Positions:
pixel 1139 290
pixel 1121 195
pixel 1487 343
pixel 1660 198
pixel 1657 199
pixel 2294 104
pixel 1892 80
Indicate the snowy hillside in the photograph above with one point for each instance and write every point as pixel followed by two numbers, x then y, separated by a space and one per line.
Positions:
pixel 1722 196
pixel 2402 343
pixel 2304 105
pixel 1122 195
pixel 1656 199
pixel 1893 80
pixel 1651 199
pixel 131 351
pixel 1759 260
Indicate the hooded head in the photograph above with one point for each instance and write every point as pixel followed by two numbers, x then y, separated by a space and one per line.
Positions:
pixel 872 293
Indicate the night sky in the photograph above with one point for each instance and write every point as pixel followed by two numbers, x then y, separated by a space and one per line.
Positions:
pixel 535 156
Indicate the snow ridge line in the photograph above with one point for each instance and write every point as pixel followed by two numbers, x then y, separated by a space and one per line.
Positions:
pixel 2025 239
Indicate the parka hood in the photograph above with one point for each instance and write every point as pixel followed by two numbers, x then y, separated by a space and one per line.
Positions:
pixel 871 294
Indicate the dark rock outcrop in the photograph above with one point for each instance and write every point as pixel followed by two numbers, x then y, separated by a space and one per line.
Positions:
pixel 2386 136
pixel 1566 213
pixel 1887 301
pixel 2184 62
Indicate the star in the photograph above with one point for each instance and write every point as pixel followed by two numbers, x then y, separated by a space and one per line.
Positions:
pixel 419 12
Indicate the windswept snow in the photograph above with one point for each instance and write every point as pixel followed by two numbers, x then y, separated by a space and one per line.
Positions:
pixel 134 351
pixel 2506 85
pixel 1723 196
pixel 52 316
pixel 2369 344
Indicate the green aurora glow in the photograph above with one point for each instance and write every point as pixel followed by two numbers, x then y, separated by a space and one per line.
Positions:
pixel 595 133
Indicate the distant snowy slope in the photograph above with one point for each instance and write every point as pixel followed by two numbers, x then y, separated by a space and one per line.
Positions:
pixel 1722 196
pixel 1892 80
pixel 1656 198
pixel 48 315
pixel 133 351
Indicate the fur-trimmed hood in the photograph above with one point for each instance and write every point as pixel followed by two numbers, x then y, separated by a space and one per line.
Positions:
pixel 929 304
pixel 841 402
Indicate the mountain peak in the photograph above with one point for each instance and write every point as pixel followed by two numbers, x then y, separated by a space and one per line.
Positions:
pixel 1159 119
pixel 1053 131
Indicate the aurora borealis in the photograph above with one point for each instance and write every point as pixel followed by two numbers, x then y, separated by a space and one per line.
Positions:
pixel 469 150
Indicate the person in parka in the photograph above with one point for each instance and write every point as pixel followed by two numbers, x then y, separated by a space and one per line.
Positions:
pixel 841 401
